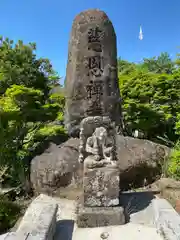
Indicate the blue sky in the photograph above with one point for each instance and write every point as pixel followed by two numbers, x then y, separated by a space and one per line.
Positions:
pixel 49 22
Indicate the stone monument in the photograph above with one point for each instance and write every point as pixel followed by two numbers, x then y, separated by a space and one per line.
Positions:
pixel 99 205
pixel 92 112
pixel 91 84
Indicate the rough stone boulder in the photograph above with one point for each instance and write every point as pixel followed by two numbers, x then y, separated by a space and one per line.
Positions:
pixel 140 161
pixel 58 166
pixel 167 183
pixel 169 189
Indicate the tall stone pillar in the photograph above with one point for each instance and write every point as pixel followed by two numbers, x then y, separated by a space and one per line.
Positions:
pixel 91 84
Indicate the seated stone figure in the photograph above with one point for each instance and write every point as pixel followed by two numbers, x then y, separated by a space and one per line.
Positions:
pixel 98 148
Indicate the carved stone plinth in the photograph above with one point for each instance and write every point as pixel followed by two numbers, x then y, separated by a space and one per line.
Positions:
pixel 100 216
pixel 101 187
pixel 99 205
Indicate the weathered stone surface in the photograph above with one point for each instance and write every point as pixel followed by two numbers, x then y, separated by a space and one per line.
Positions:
pixel 137 159
pixel 169 189
pixel 97 142
pixel 126 232
pixel 40 218
pixel 167 220
pixel 177 207
pixel 91 84
pixel 57 167
pixel 140 161
pixel 101 187
pixel 167 183
pixel 100 216
pixel 21 236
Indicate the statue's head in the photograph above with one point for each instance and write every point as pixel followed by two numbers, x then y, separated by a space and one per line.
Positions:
pixel 100 133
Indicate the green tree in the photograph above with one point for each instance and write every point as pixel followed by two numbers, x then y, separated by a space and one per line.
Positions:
pixel 151 103
pixel 174 162
pixel 178 125
pixel 28 109
pixel 160 64
pixel 125 67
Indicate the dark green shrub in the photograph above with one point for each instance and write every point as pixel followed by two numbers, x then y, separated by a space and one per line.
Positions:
pixel 174 162
pixel 9 214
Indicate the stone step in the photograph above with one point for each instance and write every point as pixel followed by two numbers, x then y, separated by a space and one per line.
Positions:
pixel 39 221
pixel 152 219
pixel 167 220
pixel 126 232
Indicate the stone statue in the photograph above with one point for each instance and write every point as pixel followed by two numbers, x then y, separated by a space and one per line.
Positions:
pixel 97 145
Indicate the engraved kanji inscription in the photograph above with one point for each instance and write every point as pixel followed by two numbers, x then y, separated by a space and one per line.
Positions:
pixel 94 89
pixel 94 39
pixel 95 66
pixel 95 108
pixel 94 35
pixel 98 90
pixel 94 93
pixel 89 89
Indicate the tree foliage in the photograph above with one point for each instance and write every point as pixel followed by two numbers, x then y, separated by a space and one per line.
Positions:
pixel 150 94
pixel 160 64
pixel 174 162
pixel 27 107
pixel 151 102
pixel 9 214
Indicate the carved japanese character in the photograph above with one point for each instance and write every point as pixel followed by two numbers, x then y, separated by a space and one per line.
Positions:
pixel 95 66
pixel 94 89
pixel 98 89
pixel 95 108
pixel 89 89
pixel 94 35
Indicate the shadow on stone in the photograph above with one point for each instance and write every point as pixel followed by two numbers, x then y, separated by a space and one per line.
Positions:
pixel 134 202
pixel 135 176
pixel 64 229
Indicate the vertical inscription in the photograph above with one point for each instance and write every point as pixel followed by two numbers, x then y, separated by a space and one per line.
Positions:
pixel 95 66
pixel 94 89
pixel 94 93
pixel 94 35
pixel 94 39
pixel 95 70
pixel 94 43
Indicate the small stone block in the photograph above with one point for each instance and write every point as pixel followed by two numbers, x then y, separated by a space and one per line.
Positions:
pixel 100 216
pixel 101 187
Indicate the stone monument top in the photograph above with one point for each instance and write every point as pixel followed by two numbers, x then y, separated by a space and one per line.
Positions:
pixel 91 84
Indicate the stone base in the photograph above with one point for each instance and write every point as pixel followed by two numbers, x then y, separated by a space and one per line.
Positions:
pixel 101 187
pixel 88 217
